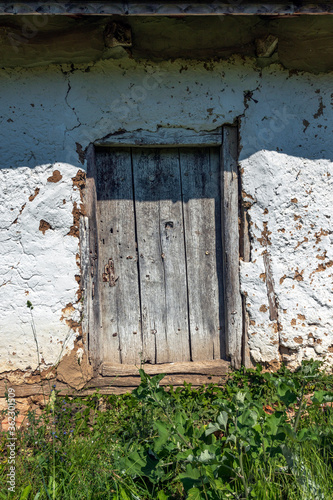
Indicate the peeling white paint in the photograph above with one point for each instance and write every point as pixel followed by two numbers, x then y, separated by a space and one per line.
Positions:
pixel 35 266
pixel 291 220
pixel 49 115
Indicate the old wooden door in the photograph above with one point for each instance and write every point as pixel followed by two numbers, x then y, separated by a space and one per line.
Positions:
pixel 160 254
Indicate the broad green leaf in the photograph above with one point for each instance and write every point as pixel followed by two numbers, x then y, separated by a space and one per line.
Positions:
pixel 132 463
pixel 191 472
pixel 309 369
pixel 272 422
pixel 156 379
pixel 212 428
pixel 248 418
pixel 209 473
pixel 282 388
pixel 286 394
pixel 25 493
pixel 144 377
pixel 240 397
pixel 180 418
pixel 164 434
pixel 162 496
pixel 222 419
pixel 289 431
pixel 322 397
pixel 191 478
pixel 231 438
pixel 226 468
pixel 307 435
pixel 206 456
pixel 194 494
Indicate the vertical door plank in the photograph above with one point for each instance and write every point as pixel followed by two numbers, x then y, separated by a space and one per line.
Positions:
pixel 200 174
pixel 233 300
pixel 118 267
pixel 160 236
pixel 91 323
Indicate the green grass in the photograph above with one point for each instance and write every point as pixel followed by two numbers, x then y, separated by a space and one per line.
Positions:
pixel 207 443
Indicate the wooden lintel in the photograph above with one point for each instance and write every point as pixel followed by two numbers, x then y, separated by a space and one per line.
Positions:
pixel 164 137
pixel 166 8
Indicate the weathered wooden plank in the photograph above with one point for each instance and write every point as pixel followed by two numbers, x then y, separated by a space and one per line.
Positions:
pixel 217 367
pixel 200 173
pixel 272 301
pixel 165 137
pixel 84 265
pixel 160 239
pixel 169 379
pixel 245 255
pixel 117 379
pixel 118 267
pixel 164 7
pixel 89 266
pixel 112 386
pixel 233 300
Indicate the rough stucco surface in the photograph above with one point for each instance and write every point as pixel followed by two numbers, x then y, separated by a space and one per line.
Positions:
pixel 49 116
pixel 290 214
pixel 38 264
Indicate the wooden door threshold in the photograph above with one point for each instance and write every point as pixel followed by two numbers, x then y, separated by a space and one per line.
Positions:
pixel 217 367
pixel 119 379
pixel 196 373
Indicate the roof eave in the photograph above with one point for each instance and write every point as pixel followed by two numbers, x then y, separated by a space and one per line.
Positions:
pixel 166 8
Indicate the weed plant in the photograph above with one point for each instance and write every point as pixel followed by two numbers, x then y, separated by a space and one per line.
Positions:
pixel 262 435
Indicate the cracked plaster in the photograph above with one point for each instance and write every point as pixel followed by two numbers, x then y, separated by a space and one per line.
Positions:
pixel 49 116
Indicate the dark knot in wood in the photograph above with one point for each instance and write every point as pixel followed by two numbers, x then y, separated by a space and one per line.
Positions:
pixel 109 273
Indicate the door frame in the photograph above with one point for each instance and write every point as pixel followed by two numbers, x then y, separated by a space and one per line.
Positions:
pixel 224 137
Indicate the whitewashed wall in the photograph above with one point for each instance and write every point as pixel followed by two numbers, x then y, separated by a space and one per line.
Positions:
pixel 48 118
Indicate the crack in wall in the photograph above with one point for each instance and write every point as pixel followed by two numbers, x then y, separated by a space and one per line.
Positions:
pixel 69 88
